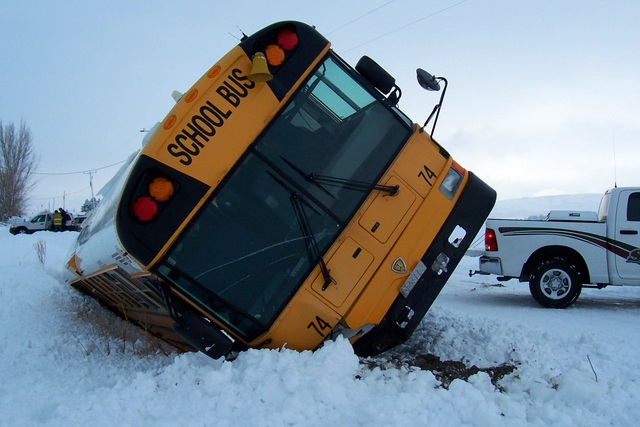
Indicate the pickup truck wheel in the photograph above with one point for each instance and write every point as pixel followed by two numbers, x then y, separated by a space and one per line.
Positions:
pixel 555 283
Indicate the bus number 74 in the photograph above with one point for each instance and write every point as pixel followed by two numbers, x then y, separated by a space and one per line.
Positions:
pixel 320 325
pixel 428 175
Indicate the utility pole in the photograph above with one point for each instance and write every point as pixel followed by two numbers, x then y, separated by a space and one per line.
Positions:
pixel 93 200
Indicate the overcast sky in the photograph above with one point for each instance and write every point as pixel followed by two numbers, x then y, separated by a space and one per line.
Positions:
pixel 543 96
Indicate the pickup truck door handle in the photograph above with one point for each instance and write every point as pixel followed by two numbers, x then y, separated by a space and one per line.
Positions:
pixel 628 231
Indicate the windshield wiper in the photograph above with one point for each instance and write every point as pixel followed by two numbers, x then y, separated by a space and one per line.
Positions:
pixel 352 184
pixel 342 182
pixel 313 252
pixel 312 249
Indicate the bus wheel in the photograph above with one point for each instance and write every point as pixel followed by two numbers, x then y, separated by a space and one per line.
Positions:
pixel 555 283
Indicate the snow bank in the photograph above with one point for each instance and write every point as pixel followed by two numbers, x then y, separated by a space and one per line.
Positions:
pixel 67 361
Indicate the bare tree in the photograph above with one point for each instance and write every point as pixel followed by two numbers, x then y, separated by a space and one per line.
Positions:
pixel 17 165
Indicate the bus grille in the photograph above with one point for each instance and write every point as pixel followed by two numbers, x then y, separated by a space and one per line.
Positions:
pixel 133 299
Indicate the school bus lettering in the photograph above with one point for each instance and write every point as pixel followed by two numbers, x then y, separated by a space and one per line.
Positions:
pixel 203 125
pixel 232 89
pixel 213 115
pixel 195 132
pixel 319 325
pixel 186 158
pixel 191 152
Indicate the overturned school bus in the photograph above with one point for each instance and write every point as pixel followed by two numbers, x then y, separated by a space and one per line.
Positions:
pixel 284 200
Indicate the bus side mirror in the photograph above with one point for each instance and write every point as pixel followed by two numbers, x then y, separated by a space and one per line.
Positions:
pixel 431 82
pixel 427 81
pixel 379 78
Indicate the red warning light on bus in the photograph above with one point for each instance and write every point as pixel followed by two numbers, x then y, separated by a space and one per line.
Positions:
pixel 287 39
pixel 145 208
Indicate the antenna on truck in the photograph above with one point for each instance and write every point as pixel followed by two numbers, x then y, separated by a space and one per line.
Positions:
pixel 615 166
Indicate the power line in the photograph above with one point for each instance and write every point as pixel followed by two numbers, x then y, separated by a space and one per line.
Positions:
pixel 79 172
pixel 358 18
pixel 405 26
pixel 61 195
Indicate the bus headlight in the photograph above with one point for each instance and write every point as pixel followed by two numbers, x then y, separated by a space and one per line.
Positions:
pixel 450 183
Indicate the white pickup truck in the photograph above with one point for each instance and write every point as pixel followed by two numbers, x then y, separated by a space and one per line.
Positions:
pixel 40 222
pixel 568 250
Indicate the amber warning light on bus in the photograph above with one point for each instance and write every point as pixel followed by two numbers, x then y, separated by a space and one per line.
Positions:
pixel 153 193
pixel 272 53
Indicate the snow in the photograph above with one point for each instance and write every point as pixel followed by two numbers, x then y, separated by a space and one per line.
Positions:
pixel 67 361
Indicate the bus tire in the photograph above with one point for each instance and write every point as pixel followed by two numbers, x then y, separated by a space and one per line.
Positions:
pixel 555 283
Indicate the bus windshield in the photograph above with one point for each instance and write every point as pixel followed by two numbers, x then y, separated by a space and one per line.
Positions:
pixel 268 224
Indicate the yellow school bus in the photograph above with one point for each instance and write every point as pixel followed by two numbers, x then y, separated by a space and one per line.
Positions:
pixel 284 200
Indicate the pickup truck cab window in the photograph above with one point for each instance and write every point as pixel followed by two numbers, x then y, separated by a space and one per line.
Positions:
pixel 633 207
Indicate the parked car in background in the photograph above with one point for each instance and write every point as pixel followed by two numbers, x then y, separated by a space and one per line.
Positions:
pixel 79 220
pixel 70 223
pixel 41 222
